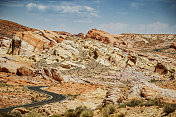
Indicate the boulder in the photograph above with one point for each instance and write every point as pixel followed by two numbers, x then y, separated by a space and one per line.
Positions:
pixel 56 75
pixel 24 71
pixel 4 69
pixel 47 72
pixel 173 45
pixel 161 69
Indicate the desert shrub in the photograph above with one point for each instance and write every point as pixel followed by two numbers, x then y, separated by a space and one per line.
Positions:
pixel 108 109
pixel 70 113
pixel 121 115
pixel 134 103
pixel 105 113
pixel 150 102
pixel 153 102
pixel 79 112
pixel 86 113
pixel 10 114
pixel 153 80
pixel 169 108
pixel 72 97
pixel 56 116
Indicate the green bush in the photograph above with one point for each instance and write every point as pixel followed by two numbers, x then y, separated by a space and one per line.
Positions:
pixel 70 113
pixel 121 115
pixel 169 108
pixel 153 80
pixel 153 102
pixel 79 112
pixel 134 103
pixel 56 116
pixel 86 113
pixel 108 109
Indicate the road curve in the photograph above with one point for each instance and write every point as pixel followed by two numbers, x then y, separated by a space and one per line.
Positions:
pixel 55 98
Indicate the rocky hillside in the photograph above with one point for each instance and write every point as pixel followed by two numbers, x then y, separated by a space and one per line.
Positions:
pixel 31 40
pixel 129 75
pixel 133 41
pixel 9 28
pixel 97 71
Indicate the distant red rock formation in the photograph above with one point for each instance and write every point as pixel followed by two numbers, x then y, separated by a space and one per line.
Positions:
pixel 133 40
pixel 100 36
pixel 63 33
pixel 78 35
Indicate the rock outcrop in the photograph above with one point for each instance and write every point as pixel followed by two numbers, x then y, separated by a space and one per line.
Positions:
pixel 132 40
pixel 107 64
pixel 24 71
pixel 100 36
pixel 173 45
pixel 63 33
pixel 15 47
pixel 56 75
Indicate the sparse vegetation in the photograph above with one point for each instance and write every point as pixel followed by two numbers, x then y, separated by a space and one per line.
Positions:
pixel 132 103
pixel 86 113
pixel 150 102
pixel 121 115
pixel 70 113
pixel 154 80
pixel 71 97
pixel 169 108
pixel 56 116
pixel 153 102
pixel 108 109
pixel 10 114
pixel 79 112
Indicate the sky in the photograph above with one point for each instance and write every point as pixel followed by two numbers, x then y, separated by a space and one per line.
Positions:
pixel 75 16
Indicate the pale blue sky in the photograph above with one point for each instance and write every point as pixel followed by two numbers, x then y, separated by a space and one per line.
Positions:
pixel 74 16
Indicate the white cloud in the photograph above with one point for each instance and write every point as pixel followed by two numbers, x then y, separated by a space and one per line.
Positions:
pixel 66 8
pixel 89 8
pixel 136 4
pixel 31 5
pixel 40 7
pixel 71 9
pixel 156 27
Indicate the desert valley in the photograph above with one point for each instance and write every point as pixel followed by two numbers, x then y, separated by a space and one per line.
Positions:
pixel 98 74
